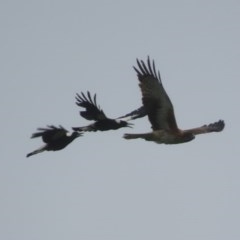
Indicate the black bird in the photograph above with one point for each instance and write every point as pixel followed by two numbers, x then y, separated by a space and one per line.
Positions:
pixel 102 122
pixel 56 138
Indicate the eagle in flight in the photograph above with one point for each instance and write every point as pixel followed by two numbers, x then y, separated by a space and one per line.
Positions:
pixel 160 112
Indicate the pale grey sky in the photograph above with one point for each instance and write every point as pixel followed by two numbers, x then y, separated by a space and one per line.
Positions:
pixel 103 187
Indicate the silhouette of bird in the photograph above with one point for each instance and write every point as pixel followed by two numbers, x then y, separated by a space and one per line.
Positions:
pixel 160 110
pixel 55 138
pixel 101 121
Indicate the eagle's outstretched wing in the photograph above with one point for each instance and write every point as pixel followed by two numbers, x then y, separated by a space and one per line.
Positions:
pixel 92 110
pixel 157 104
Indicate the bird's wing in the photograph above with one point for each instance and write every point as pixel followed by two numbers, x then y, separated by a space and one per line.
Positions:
pixel 137 113
pixel 155 99
pixel 212 127
pixel 92 110
pixel 50 133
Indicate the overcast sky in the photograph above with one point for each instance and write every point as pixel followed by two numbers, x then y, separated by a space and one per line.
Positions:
pixel 103 187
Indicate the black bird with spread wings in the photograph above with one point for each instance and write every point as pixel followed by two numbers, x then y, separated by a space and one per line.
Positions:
pixel 160 111
pixel 55 138
pixel 101 121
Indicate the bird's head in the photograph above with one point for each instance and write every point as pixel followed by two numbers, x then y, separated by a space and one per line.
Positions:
pixel 76 134
pixel 124 123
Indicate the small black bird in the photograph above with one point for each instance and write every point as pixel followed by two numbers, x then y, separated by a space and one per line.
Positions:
pixel 56 138
pixel 102 122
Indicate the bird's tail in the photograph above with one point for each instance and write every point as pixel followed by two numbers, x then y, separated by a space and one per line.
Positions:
pixel 36 151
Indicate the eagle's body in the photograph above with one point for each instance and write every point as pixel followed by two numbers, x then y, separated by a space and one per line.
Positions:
pixel 160 110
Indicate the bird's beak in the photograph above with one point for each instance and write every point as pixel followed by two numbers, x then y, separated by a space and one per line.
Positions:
pixel 79 134
pixel 130 125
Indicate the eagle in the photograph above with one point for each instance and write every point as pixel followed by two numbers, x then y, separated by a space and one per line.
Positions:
pixel 55 138
pixel 160 112
pixel 101 121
